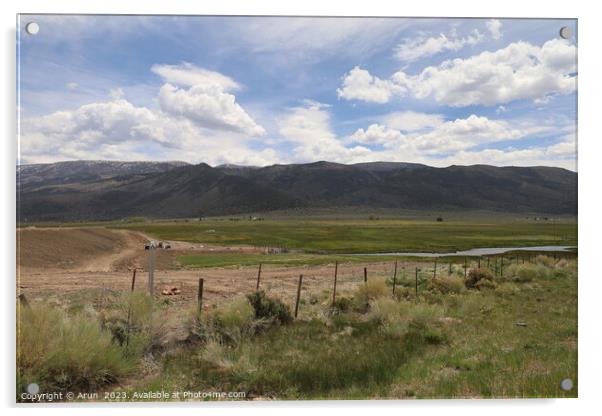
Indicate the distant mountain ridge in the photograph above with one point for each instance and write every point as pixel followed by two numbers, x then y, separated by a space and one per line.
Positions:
pixel 104 190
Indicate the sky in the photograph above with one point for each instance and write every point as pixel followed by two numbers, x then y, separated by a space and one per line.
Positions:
pixel 266 90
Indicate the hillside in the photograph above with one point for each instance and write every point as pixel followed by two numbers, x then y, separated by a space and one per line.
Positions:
pixel 70 191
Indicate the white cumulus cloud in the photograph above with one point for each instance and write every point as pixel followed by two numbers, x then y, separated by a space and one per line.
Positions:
pixel 359 84
pixel 309 128
pixel 521 70
pixel 203 97
pixel 443 138
pixel 209 107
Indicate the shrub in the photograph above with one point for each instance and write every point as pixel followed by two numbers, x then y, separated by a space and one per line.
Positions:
pixel 342 304
pixel 485 284
pixel 269 308
pixel 446 284
pixel 476 275
pixel 145 331
pixel 384 310
pixel 397 319
pixel 506 289
pixel 404 293
pixel 422 316
pixel 62 353
pixel 236 314
pixel 545 260
pixel 527 272
pixel 373 289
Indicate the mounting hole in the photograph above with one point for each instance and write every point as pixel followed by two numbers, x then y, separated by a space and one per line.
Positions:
pixel 32 28
pixel 33 388
pixel 566 32
pixel 566 384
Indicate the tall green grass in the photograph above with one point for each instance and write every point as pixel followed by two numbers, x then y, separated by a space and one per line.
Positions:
pixel 61 352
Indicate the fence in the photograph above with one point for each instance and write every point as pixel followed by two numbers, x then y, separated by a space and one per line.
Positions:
pixel 338 279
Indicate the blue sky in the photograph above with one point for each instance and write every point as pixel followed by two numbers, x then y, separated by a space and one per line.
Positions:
pixel 260 90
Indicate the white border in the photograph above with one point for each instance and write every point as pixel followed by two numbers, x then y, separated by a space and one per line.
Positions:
pixel 590 93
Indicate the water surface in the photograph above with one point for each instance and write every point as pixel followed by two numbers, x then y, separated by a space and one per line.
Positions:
pixel 485 251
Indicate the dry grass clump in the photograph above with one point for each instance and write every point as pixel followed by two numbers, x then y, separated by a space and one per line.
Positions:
pixel 507 289
pixel 446 284
pixel 527 272
pixel 135 322
pixel 63 353
pixel 372 290
pixel 476 278
pixel 545 260
pixel 485 284
pixel 233 321
pixel 398 318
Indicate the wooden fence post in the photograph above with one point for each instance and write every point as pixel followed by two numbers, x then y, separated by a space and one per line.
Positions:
pixel 479 263
pixel 365 275
pixel 502 267
pixel 416 282
pixel 258 277
pixel 127 337
pixel 334 289
pixel 394 276
pixel 200 295
pixel 465 268
pixel 298 294
pixel 133 280
pixel 151 270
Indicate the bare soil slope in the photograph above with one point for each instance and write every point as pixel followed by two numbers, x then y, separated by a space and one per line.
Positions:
pixel 76 249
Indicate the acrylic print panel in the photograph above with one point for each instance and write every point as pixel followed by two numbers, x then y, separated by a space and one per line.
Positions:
pixel 241 208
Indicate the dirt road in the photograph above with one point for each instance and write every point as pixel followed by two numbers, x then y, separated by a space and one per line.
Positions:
pixel 57 262
pixel 220 283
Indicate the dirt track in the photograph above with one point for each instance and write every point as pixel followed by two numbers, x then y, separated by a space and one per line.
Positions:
pixel 58 261
pixel 220 283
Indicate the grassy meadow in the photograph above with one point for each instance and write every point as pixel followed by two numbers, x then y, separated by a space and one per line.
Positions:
pixel 485 336
pixel 367 236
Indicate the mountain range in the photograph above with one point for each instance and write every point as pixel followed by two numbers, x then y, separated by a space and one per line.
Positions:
pixel 107 190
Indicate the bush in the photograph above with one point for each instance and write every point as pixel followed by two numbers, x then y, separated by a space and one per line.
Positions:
pixel 446 284
pixel 397 319
pixel 545 261
pixel 475 276
pixel 269 308
pixel 372 290
pixel 145 326
pixel 562 263
pixel 342 304
pixel 236 314
pixel 384 310
pixel 506 289
pixel 404 293
pixel 485 284
pixel 527 272
pixel 423 316
pixel 66 353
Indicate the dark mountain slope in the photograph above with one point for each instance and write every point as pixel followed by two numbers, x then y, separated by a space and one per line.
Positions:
pixel 200 190
pixel 186 191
